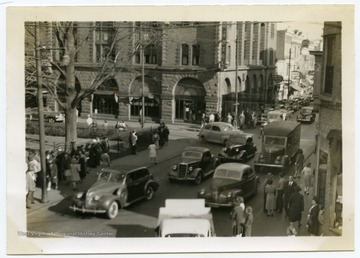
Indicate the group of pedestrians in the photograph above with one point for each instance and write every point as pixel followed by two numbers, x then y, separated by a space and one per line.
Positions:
pixel 242 218
pixel 160 138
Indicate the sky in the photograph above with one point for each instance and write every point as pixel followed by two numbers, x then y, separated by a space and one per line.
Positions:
pixel 311 30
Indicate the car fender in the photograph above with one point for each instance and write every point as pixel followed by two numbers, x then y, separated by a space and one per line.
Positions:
pixel 195 172
pixel 153 184
pixel 106 200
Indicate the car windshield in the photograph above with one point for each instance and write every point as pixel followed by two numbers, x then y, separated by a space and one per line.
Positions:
pixel 272 140
pixel 109 176
pixel 225 173
pixel 184 235
pixel 191 154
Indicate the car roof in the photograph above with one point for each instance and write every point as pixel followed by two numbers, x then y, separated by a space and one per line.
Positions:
pixel 233 166
pixel 197 149
pixel 280 128
pixel 219 124
pixel 121 171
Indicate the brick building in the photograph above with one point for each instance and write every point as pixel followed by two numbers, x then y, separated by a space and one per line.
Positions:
pixel 188 67
pixel 329 151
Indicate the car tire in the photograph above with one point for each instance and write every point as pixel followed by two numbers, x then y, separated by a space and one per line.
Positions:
pixel 198 178
pixel 149 193
pixel 113 210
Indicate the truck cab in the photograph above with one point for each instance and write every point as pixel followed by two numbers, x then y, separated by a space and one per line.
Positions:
pixel 280 143
pixel 185 218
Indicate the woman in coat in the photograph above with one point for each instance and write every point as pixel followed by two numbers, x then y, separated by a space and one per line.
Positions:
pixel 313 221
pixel 296 206
pixel 270 190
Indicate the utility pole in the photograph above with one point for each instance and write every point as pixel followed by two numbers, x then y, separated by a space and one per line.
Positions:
pixel 236 81
pixel 143 84
pixel 289 77
pixel 44 196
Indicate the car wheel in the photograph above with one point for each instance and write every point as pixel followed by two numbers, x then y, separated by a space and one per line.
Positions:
pixel 149 193
pixel 198 178
pixel 113 210
pixel 51 120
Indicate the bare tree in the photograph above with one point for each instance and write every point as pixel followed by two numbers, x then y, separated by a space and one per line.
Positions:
pixel 69 94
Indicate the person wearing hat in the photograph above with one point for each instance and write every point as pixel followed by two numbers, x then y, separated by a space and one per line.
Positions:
pixel 313 215
pixel 269 176
pixel 296 206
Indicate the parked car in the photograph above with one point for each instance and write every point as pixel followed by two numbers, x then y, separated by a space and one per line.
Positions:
pixel 195 164
pixel 115 189
pixel 230 181
pixel 240 148
pixel 306 115
pixel 49 116
pixel 218 132
pixel 262 119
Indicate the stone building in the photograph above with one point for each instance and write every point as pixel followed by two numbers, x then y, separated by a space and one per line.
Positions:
pixel 329 145
pixel 181 69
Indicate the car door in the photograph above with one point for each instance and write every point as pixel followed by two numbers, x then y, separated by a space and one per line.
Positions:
pixel 215 135
pixel 207 163
pixel 141 178
pixel 131 186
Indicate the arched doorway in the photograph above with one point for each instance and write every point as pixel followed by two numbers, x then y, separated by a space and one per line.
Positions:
pixel 152 95
pixel 189 100
pixel 105 101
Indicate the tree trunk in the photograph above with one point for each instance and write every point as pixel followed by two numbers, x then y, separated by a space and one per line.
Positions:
pixel 70 126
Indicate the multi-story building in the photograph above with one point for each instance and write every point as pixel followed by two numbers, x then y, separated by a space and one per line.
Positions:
pixel 181 68
pixel 329 141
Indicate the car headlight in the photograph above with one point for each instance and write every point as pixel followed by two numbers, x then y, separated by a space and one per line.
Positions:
pixel 278 160
pixel 202 192
pixel 97 197
pixel 190 169
pixel 79 195
pixel 175 167
pixel 229 195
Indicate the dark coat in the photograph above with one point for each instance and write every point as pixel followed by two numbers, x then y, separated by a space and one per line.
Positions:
pixel 313 228
pixel 296 206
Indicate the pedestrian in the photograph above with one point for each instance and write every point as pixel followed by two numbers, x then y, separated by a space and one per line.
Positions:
pixel 269 176
pixel 74 170
pixel 162 134
pixel 299 163
pixel 36 167
pixel 291 230
pixel 30 186
pixel 152 153
pixel 105 159
pixel 166 134
pixel 313 217
pixel 321 220
pixel 280 193
pixel 249 221
pixel 242 119
pixel 48 160
pixel 156 138
pixel 289 188
pixel 238 217
pixel 296 206
pixel 203 120
pixel 66 166
pixel 133 141
pixel 82 162
pixel 54 172
pixel 229 118
pixel 89 120
pixel 211 118
pixel 270 190
pixel 308 173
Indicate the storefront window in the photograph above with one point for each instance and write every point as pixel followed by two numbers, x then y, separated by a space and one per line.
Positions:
pixel 151 107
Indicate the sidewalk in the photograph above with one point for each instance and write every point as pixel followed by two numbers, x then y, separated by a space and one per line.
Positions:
pixel 126 162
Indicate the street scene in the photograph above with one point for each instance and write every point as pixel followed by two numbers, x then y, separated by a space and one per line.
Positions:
pixel 183 129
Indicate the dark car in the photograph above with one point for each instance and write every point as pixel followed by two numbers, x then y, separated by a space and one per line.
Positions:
pixel 115 189
pixel 230 181
pixel 196 163
pixel 306 115
pixel 240 148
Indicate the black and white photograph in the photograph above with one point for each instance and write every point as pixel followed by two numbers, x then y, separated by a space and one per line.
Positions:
pixel 180 129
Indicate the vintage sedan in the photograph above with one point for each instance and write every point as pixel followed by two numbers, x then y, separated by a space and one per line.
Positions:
pixel 218 132
pixel 195 164
pixel 306 115
pixel 240 148
pixel 115 189
pixel 230 181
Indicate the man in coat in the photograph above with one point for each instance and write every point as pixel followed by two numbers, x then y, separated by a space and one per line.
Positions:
pixel 289 188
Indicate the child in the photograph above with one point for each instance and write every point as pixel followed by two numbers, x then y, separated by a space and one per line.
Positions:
pixel 249 220
pixel 291 231
pixel 152 153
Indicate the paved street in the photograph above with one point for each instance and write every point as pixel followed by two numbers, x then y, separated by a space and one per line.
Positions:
pixel 139 219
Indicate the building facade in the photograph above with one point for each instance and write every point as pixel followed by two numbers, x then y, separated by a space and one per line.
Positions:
pixel 181 69
pixel 329 144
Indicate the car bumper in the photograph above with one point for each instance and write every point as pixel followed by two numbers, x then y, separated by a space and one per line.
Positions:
pixel 182 178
